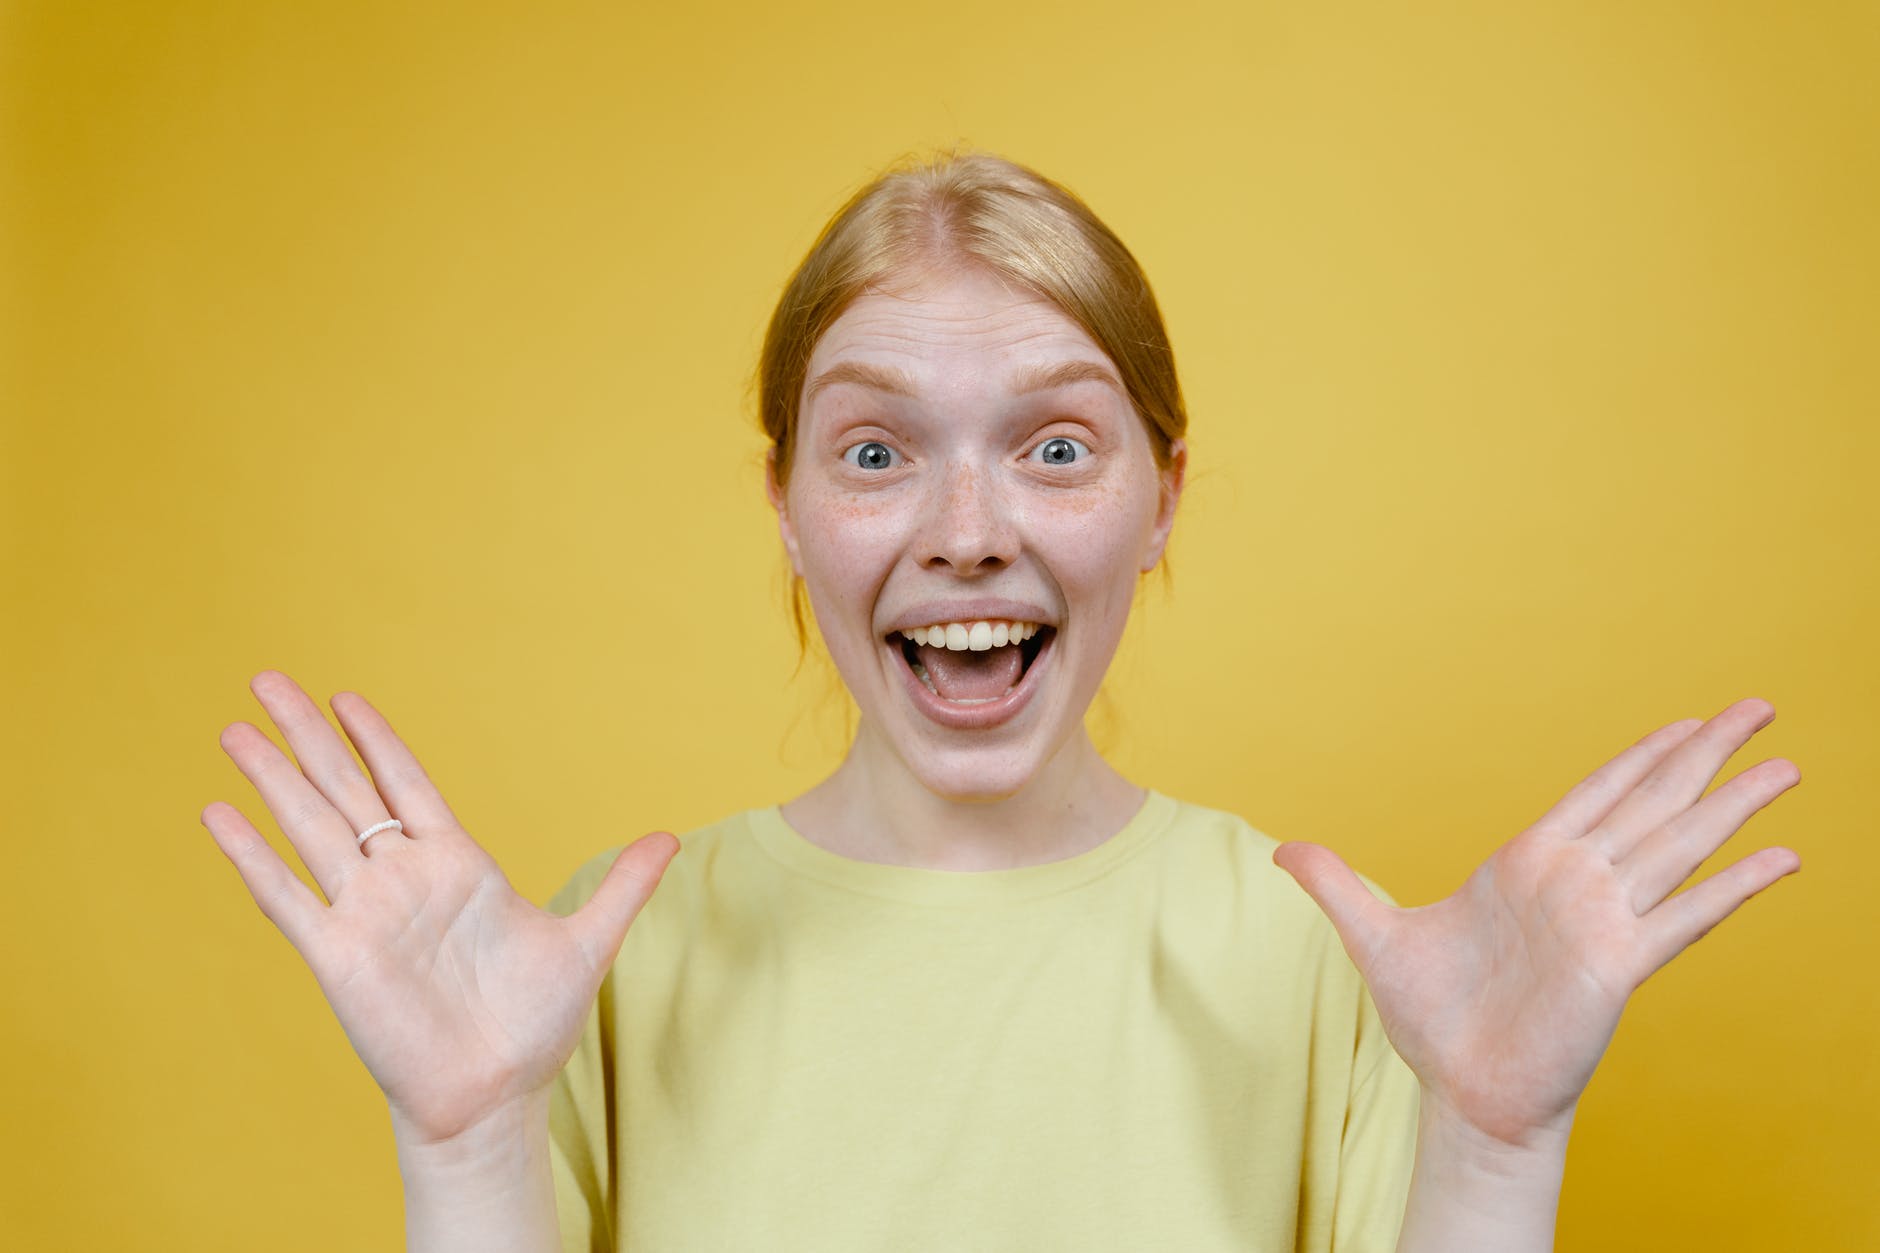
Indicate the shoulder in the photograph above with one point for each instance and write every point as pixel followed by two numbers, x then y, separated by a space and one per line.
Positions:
pixel 701 851
pixel 1218 863
pixel 1205 835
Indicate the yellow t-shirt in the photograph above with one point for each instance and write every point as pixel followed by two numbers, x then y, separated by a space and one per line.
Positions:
pixel 1156 1044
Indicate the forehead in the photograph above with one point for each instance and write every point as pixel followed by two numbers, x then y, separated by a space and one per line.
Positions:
pixel 953 329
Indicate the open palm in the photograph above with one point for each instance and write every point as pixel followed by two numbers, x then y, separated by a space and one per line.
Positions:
pixel 1503 996
pixel 459 995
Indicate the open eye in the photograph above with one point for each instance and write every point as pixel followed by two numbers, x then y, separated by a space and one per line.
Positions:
pixel 871 455
pixel 1061 450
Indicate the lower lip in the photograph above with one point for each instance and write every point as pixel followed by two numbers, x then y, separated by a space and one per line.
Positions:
pixel 973 717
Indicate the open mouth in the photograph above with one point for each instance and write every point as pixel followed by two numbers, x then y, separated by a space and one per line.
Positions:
pixel 968 677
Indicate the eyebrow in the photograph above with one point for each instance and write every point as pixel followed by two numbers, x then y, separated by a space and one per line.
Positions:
pixel 1041 378
pixel 1038 378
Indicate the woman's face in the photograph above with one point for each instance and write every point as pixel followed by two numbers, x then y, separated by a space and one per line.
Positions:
pixel 966 454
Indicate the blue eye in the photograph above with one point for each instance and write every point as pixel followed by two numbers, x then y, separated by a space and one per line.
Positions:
pixel 1060 451
pixel 873 455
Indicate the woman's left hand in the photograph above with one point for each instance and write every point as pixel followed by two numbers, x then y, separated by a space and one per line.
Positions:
pixel 1503 997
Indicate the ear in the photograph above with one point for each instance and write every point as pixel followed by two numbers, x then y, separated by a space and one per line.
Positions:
pixel 1173 479
pixel 775 493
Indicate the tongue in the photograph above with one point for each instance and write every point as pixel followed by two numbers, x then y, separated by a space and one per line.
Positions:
pixel 967 675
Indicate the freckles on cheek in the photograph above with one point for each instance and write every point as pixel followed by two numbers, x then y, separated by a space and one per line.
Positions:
pixel 1098 500
pixel 1102 529
pixel 848 539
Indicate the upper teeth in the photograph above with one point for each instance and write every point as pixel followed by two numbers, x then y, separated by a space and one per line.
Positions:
pixel 977 636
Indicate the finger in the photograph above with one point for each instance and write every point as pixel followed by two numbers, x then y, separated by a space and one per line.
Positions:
pixel 324 759
pixel 601 924
pixel 1667 857
pixel 283 898
pixel 1593 797
pixel 401 782
pixel 316 830
pixel 1680 778
pixel 1359 917
pixel 1689 916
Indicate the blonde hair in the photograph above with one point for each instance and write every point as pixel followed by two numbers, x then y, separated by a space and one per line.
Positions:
pixel 969 207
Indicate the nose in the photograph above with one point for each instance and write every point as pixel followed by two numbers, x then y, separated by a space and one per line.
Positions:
pixel 968 525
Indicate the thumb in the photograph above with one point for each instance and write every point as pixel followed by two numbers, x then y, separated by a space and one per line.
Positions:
pixel 602 922
pixel 1359 917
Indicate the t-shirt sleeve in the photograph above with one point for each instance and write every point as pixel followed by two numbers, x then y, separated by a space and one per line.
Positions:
pixel 580 1153
pixel 1380 1141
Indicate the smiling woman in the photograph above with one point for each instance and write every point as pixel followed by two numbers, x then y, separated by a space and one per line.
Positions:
pixel 975 422
pixel 976 989
pixel 969 457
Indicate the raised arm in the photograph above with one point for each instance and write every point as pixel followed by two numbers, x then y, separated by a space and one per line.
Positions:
pixel 1503 997
pixel 463 1000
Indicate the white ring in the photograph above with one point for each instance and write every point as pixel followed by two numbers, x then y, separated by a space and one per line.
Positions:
pixel 377 827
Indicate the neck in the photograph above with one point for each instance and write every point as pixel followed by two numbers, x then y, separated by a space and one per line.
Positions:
pixel 874 809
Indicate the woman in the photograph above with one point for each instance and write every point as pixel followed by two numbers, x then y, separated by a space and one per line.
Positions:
pixel 976 989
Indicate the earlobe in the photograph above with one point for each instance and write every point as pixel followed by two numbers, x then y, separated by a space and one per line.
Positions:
pixel 1172 481
pixel 771 493
pixel 777 502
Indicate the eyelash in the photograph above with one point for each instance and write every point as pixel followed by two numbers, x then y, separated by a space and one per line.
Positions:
pixel 1042 443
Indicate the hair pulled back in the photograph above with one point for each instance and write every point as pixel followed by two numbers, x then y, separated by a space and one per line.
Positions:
pixel 961 208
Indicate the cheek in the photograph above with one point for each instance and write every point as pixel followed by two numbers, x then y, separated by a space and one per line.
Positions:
pixel 1098 574
pixel 846 544
pixel 1099 539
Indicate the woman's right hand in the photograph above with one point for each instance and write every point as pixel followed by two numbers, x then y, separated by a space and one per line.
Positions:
pixel 461 997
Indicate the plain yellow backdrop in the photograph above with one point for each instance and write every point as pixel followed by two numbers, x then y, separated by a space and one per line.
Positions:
pixel 1530 354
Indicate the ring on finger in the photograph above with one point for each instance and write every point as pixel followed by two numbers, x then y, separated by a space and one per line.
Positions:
pixel 389 824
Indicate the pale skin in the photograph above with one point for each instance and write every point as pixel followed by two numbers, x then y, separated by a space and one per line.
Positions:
pixel 969 507
pixel 464 1000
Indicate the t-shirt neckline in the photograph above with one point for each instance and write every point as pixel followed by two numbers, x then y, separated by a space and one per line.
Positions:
pixel 920 885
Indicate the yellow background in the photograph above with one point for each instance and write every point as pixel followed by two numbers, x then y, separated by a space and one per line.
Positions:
pixel 1530 352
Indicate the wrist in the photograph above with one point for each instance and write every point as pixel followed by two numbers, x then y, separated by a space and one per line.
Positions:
pixel 503 1139
pixel 487 1189
pixel 1507 1148
pixel 1473 1191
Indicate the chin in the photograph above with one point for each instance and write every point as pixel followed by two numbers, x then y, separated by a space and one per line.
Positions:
pixel 975 775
